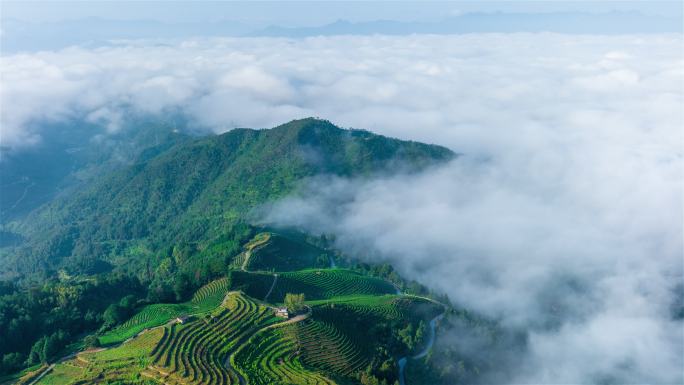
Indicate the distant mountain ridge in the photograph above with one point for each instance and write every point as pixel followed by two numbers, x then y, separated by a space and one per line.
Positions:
pixel 20 35
pixel 490 22
pixel 197 194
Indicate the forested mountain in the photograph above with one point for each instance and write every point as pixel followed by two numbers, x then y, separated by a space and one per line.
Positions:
pixel 170 219
pixel 69 154
pixel 192 195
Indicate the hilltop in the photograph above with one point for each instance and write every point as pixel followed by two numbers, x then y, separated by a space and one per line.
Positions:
pixel 178 216
pixel 197 194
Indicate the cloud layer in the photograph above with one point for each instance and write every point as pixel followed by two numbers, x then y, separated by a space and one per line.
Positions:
pixel 444 89
pixel 591 275
pixel 564 216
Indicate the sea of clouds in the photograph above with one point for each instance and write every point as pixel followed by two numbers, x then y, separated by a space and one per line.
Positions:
pixel 562 216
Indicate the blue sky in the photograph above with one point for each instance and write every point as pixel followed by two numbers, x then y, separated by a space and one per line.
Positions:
pixel 309 13
pixel 50 25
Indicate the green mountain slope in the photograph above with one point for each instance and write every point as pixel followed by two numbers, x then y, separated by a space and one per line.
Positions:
pixel 74 152
pixel 196 194
pixel 135 242
pixel 276 252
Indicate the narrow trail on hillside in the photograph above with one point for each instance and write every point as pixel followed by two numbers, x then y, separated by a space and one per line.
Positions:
pixel 41 375
pixel 292 320
pixel 275 279
pixel 65 358
pixel 248 254
pixel 21 198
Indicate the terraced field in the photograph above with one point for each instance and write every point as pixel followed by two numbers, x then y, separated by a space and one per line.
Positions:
pixel 241 260
pixel 276 252
pixel 390 307
pixel 323 346
pixel 357 316
pixel 273 356
pixel 149 317
pixel 256 285
pixel 211 294
pixel 205 299
pixel 238 261
pixel 232 337
pixel 123 364
pixel 62 374
pixel 258 240
pixel 196 352
pixel 328 283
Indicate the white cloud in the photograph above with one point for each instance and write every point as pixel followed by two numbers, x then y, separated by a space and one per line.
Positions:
pixel 431 88
pixel 572 168
pixel 589 238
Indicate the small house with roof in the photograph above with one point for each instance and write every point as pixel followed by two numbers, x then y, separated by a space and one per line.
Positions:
pixel 282 312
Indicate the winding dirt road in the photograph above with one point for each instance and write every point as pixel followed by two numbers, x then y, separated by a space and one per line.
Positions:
pixel 275 279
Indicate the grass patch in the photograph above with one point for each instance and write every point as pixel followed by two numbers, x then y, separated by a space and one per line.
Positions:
pixel 122 364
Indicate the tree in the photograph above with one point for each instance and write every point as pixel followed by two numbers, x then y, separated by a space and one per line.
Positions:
pixel 322 260
pixel 11 362
pixel 421 332
pixel 127 302
pixel 36 354
pixel 406 336
pixel 113 315
pixel 294 302
pixel 91 341
pixel 182 287
pixel 387 369
pixel 50 348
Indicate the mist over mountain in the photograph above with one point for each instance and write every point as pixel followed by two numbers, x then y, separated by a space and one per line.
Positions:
pixel 528 183
pixel 78 151
pixel 558 265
